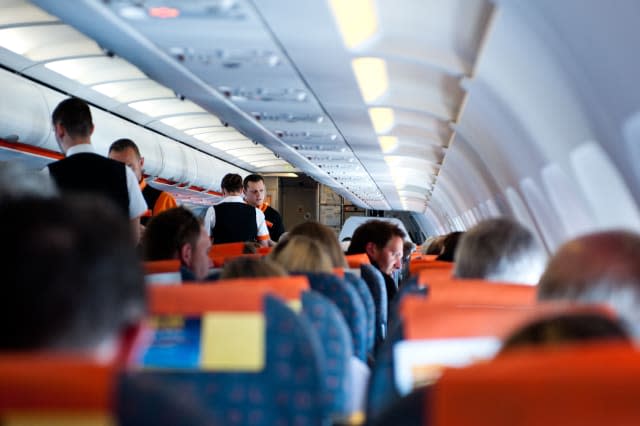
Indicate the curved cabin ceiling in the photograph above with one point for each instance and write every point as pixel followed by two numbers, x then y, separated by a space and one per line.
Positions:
pixel 358 94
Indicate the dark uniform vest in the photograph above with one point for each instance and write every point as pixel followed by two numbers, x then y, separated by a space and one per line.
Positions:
pixel 274 223
pixel 93 173
pixel 150 195
pixel 235 222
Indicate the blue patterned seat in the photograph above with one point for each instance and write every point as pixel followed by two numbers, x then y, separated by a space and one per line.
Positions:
pixel 348 302
pixel 288 390
pixel 334 334
pixel 375 282
pixel 382 391
pixel 369 307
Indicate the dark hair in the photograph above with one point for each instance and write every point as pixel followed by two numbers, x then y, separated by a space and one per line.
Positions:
pixel 326 237
pixel 71 276
pixel 75 116
pixel 251 178
pixel 168 232
pixel 379 232
pixel 449 245
pixel 566 328
pixel 122 144
pixel 231 182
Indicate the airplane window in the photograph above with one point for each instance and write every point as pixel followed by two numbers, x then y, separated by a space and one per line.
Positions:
pixel 604 188
pixel 566 200
pixel 547 223
pixel 521 212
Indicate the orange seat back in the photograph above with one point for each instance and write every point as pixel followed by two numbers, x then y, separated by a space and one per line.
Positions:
pixel 243 294
pixel 425 320
pixel 50 387
pixel 588 385
pixel 481 292
pixel 161 266
pixel 355 260
pixel 420 264
pixel 226 249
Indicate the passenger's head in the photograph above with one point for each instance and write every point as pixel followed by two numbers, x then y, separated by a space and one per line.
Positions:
pixel 71 121
pixel 127 152
pixel 251 267
pixel 301 254
pixel 602 267
pixel 449 245
pixel 565 329
pixel 499 250
pixel 433 245
pixel 71 279
pixel 18 181
pixel 254 190
pixel 382 241
pixel 326 237
pixel 177 234
pixel 231 184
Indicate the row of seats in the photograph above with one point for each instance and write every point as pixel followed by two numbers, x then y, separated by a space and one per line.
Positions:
pixel 442 327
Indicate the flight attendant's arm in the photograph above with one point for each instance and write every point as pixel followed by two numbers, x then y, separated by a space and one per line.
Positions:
pixel 137 205
pixel 263 232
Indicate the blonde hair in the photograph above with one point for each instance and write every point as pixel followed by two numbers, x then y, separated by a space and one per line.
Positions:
pixel 326 237
pixel 251 267
pixel 301 254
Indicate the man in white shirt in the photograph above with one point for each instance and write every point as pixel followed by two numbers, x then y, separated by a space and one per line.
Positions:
pixel 83 170
pixel 234 220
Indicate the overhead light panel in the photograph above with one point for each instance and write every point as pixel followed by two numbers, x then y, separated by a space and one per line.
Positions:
pixel 388 144
pixel 184 122
pixel 356 19
pixel 372 77
pixel 166 107
pixel 95 70
pixel 133 90
pixel 382 119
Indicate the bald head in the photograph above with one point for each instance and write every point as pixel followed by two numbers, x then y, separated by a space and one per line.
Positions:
pixel 602 267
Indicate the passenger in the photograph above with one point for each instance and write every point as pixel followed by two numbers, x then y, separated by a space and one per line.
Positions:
pixel 566 328
pixel 234 220
pixel 71 279
pixel 252 267
pixel 18 181
pixel 326 237
pixel 449 244
pixel 73 284
pixel 554 330
pixel 433 245
pixel 301 254
pixel 383 242
pixel 500 250
pixel 254 193
pixel 177 234
pixel 84 170
pixel 598 268
pixel 127 152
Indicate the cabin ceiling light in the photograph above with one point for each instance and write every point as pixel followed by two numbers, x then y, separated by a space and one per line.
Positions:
pixel 41 43
pixel 166 107
pixel 95 70
pixel 388 143
pixel 382 119
pixel 356 19
pixel 184 122
pixel 134 90
pixel 372 77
